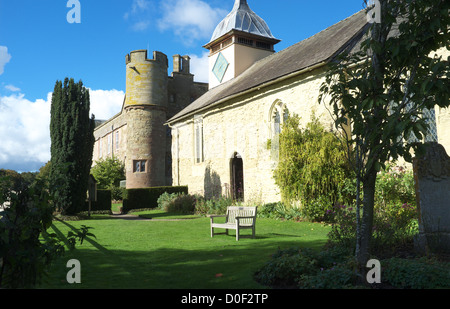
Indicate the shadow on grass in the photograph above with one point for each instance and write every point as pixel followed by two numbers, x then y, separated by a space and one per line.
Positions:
pixel 225 264
pixel 168 215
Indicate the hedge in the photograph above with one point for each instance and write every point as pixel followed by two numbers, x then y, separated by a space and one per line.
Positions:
pixel 147 197
pixel 103 201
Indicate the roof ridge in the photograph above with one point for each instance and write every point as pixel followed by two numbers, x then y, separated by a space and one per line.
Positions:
pixel 318 33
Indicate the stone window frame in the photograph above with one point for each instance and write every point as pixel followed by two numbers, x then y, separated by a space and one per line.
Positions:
pixel 198 136
pixel 117 140
pixel 109 143
pixel 100 148
pixel 278 115
pixel 139 166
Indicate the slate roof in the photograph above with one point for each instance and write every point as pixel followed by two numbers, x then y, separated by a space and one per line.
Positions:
pixel 320 48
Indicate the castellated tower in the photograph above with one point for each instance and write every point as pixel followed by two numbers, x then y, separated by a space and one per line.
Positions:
pixel 138 134
pixel 145 109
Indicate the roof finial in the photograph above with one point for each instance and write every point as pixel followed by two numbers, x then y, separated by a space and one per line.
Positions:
pixel 240 4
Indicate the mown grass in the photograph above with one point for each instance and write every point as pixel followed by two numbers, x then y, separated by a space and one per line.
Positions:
pixel 180 254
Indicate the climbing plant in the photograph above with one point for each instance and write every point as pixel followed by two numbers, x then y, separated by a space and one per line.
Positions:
pixel 312 167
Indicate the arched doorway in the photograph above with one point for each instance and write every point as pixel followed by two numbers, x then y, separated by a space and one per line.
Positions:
pixel 237 177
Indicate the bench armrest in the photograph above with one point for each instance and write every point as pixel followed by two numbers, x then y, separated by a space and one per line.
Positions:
pixel 251 217
pixel 216 216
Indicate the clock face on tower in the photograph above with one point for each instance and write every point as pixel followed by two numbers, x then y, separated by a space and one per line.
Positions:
pixel 220 67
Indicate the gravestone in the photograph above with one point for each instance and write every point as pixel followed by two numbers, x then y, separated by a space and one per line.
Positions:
pixel 432 180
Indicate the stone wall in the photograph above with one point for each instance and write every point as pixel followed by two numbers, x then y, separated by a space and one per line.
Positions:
pixel 146 143
pixel 243 126
pixel 443 127
pixel 443 114
pixel 111 139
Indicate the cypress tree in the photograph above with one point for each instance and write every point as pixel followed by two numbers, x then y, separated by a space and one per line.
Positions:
pixel 72 143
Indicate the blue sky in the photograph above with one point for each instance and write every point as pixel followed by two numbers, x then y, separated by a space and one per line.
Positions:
pixel 39 46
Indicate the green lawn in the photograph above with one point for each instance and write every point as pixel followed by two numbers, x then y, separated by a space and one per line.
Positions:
pixel 175 254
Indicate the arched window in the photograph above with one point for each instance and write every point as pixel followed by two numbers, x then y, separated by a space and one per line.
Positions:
pixel 277 117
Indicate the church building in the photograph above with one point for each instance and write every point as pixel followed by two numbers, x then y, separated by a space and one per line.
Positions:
pixel 220 141
pixel 221 138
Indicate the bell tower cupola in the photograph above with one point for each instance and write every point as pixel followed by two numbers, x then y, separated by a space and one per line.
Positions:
pixel 240 39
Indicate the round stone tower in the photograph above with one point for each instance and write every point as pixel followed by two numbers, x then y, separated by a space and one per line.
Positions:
pixel 145 108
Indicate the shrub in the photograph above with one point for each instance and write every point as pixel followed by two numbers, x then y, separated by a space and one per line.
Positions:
pixel 108 172
pixel 395 186
pixel 420 273
pixel 270 210
pixel 164 200
pixel 117 193
pixel 279 211
pixel 337 277
pixel 305 268
pixel 217 206
pixel 285 267
pixel 343 230
pixel 317 209
pixel 395 214
pixel 183 203
pixel 147 197
pixel 312 167
pixel 177 203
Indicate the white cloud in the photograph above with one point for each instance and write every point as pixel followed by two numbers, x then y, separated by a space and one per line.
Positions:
pixel 138 14
pixel 140 25
pixel 137 6
pixel 190 19
pixel 24 131
pixel 200 67
pixel 25 127
pixel 4 58
pixel 12 88
pixel 106 103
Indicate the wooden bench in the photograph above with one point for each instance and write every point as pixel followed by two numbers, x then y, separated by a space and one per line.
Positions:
pixel 237 218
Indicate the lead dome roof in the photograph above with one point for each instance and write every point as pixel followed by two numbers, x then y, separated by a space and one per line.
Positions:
pixel 242 18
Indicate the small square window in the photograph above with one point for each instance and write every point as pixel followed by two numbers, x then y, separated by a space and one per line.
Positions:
pixel 139 166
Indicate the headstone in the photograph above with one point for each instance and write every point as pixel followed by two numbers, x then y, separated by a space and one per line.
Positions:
pixel 432 179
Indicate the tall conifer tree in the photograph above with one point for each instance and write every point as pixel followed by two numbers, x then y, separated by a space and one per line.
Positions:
pixel 72 142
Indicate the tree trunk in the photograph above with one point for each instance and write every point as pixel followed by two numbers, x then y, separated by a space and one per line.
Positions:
pixel 367 219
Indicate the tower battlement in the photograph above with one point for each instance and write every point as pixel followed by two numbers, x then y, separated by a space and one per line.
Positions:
pixel 141 56
pixel 181 64
pixel 146 82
